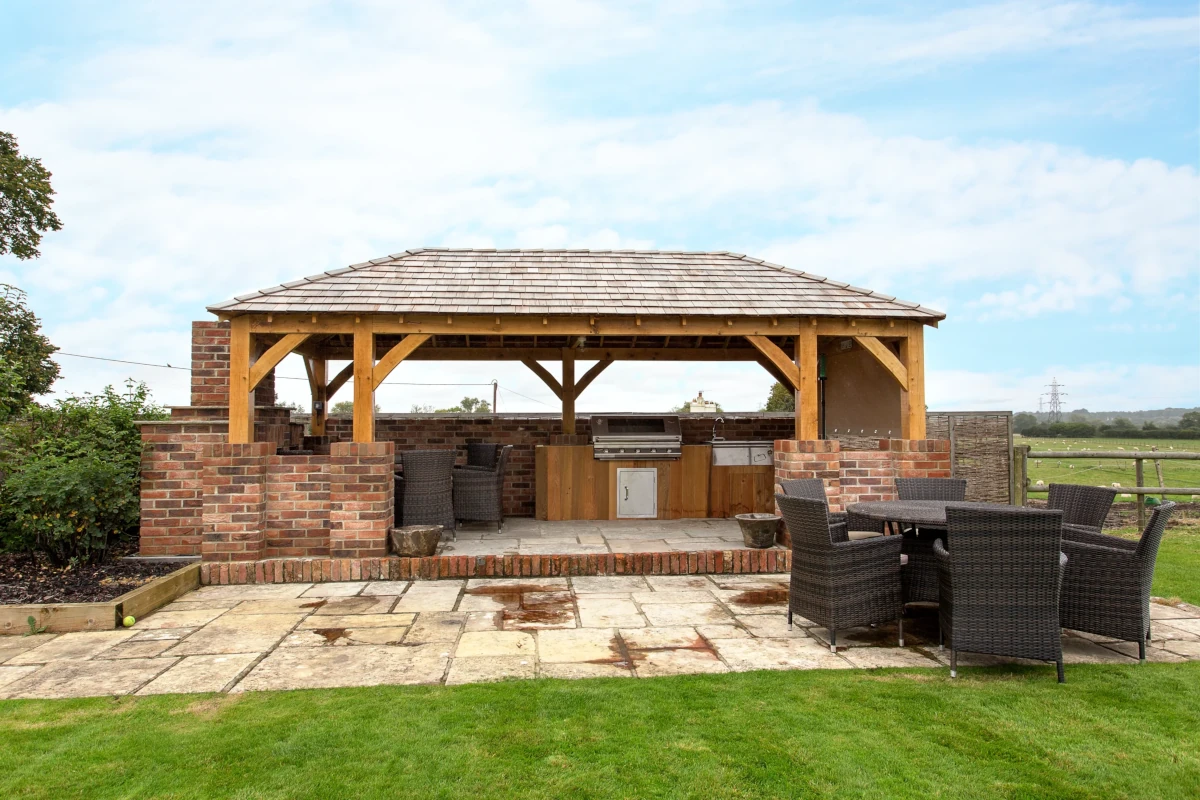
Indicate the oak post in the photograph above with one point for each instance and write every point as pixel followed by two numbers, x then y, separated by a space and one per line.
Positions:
pixel 241 398
pixel 912 402
pixel 319 388
pixel 807 404
pixel 568 390
pixel 364 382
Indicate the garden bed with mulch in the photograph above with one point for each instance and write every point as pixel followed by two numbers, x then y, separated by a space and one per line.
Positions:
pixel 31 578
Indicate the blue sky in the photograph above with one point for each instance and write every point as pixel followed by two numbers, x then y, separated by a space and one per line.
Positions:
pixel 1030 168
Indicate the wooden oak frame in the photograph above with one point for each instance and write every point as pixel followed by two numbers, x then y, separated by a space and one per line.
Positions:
pixel 356 337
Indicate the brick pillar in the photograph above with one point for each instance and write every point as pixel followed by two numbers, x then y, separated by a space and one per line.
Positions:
pixel 210 363
pixel 235 501
pixel 264 393
pixel 921 458
pixel 362 493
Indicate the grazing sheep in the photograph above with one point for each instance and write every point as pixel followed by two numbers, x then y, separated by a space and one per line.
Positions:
pixel 1116 486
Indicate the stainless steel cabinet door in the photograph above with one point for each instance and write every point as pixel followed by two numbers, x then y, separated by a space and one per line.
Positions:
pixel 637 493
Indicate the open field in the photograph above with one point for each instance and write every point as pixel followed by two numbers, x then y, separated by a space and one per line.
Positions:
pixel 1105 472
pixel 1111 731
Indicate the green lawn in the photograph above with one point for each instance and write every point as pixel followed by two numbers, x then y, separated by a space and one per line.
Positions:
pixel 1110 732
pixel 1177 570
pixel 1104 472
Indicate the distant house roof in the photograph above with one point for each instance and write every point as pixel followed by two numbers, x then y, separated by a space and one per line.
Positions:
pixel 649 282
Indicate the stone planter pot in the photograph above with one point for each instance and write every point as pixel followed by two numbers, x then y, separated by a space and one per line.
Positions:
pixel 416 541
pixel 758 530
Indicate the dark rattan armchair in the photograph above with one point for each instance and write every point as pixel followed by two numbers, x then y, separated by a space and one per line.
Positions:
pixel 814 489
pixel 1084 507
pixel 1106 589
pixel 479 493
pixel 482 455
pixel 427 488
pixel 838 583
pixel 1000 582
pixel 921 573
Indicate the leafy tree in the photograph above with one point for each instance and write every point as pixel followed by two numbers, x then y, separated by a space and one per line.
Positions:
pixel 1190 420
pixel 25 200
pixel 25 366
pixel 1123 424
pixel 421 409
pixel 347 407
pixel 468 405
pixel 781 398
pixel 1023 422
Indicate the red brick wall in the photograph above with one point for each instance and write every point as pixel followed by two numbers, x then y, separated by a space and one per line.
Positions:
pixel 210 363
pixel 297 515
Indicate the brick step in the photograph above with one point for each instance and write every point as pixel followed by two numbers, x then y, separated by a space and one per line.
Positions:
pixel 393 568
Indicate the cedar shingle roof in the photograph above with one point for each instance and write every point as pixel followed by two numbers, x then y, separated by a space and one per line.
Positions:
pixel 451 281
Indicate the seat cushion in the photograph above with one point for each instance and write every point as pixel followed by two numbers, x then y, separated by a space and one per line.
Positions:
pixel 854 536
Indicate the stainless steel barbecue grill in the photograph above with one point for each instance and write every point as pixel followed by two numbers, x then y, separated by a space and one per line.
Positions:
pixel 636 437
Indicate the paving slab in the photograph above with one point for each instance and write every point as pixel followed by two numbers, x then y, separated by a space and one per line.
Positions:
pixel 200 674
pixel 669 614
pixel 575 671
pixel 774 626
pixel 433 596
pixel 1164 611
pixel 341 637
pixel 357 621
pixel 605 613
pixel 752 600
pixel 71 647
pixel 329 667
pixel 87 678
pixel 179 619
pixel 1081 651
pixel 875 657
pixel 157 634
pixel 614 583
pixel 751 654
pixel 496 643
pixel 242 633
pixel 679 583
pixel 579 645
pixel 371 604
pixel 494 668
pixel 290 605
pixel 186 603
pixel 483 621
pixel 139 649
pixel 723 632
pixel 1189 625
pixel 15 645
pixel 436 626
pixel 1183 647
pixel 667 596
pixel 389 588
pixel 12 674
pixel 1156 655
pixel 251 591
pixel 670 651
pixel 334 589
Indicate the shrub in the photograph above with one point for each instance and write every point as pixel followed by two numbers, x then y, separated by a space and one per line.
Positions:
pixel 71 473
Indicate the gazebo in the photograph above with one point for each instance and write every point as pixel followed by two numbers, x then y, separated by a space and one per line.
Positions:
pixel 596 307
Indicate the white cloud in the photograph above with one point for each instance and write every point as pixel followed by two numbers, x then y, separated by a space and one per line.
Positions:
pixel 234 148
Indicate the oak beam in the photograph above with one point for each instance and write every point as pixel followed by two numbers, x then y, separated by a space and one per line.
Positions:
pixel 241 394
pixel 807 394
pixel 430 352
pixel 568 390
pixel 276 353
pixel 778 358
pixel 393 357
pixel 364 384
pixel 591 375
pixel 545 375
pixel 886 357
pixel 912 408
pixel 339 380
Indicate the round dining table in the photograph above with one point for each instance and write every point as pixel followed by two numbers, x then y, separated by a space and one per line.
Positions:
pixel 898 514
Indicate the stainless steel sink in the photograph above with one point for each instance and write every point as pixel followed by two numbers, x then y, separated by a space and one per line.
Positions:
pixel 737 453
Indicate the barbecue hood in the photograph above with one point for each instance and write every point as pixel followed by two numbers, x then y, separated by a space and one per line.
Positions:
pixel 636 437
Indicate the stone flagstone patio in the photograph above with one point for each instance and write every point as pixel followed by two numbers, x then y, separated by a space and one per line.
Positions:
pixel 294 636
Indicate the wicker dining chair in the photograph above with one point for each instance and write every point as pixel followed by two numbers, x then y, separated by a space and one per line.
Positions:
pixel 1084 507
pixel 482 455
pixel 1000 583
pixel 835 582
pixel 479 493
pixel 428 488
pixel 814 489
pixel 1106 588
pixel 921 573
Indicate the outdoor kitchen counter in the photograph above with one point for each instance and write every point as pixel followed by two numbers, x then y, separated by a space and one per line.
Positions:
pixel 572 485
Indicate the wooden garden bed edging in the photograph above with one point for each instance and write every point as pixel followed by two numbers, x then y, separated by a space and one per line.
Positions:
pixel 106 616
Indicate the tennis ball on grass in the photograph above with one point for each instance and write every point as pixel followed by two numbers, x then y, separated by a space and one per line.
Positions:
pixel 128 622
